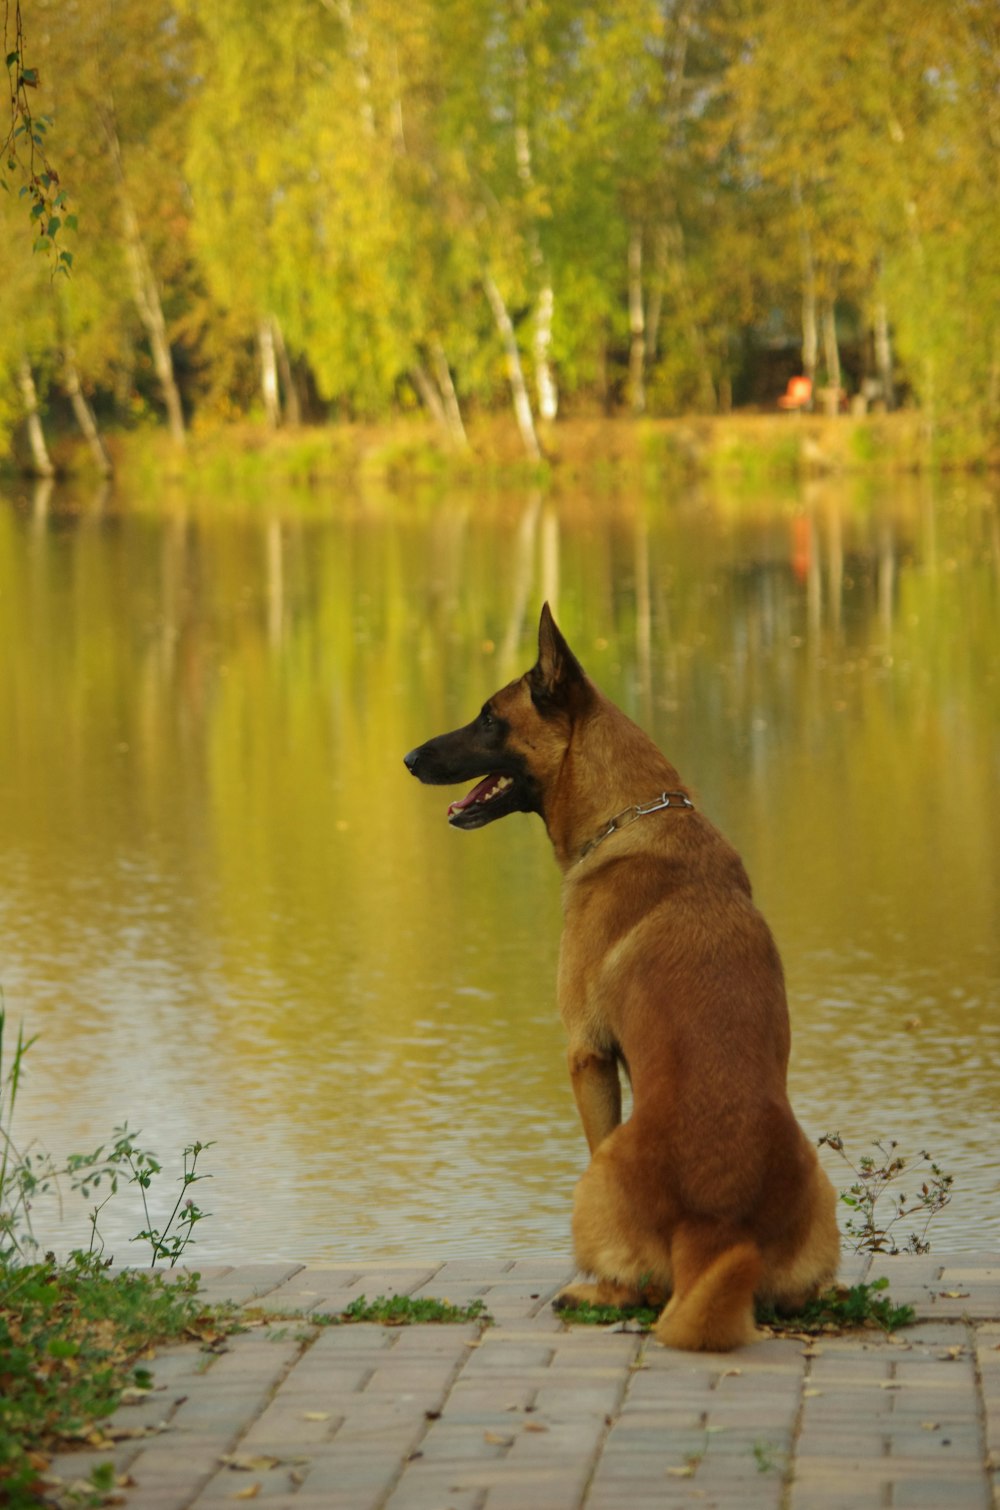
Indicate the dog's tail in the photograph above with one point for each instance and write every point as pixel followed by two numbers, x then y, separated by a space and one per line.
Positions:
pixel 711 1309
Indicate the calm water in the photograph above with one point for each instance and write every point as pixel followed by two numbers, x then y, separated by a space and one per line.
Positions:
pixel 229 914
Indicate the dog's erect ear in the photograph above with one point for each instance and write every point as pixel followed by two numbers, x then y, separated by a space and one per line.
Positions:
pixel 557 675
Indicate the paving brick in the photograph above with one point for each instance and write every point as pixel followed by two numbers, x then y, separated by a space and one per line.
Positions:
pixel 933 1494
pixel 476 1398
pixel 514 1349
pixel 888 1469
pixel 539 1323
pixel 248 1282
pixel 844 1438
pixel 485 1270
pixel 328 1499
pixel 531 1412
pixel 398 1279
pixel 433 1491
pixel 559 1484
pixel 339 1469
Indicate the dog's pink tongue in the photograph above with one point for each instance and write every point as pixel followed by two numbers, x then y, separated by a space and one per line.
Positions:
pixel 478 794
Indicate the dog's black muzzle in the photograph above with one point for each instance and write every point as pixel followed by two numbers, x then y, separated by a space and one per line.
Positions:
pixel 412 760
pixel 465 756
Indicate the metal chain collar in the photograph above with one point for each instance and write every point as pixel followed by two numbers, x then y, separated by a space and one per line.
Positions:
pixel 630 814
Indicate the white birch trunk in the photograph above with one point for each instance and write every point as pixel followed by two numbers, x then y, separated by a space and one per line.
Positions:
pixel 429 396
pixel 515 372
pixel 810 330
pixel 545 383
pixel 145 291
pixel 446 388
pixel 883 354
pixel 637 325
pixel 293 409
pixel 269 373
pixel 810 327
pixel 41 460
pixel 83 412
pixel 655 313
pixel 438 397
pixel 147 301
pixel 831 356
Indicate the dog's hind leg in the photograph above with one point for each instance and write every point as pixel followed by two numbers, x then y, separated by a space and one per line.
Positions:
pixel 711 1308
pixel 629 1261
pixel 793 1278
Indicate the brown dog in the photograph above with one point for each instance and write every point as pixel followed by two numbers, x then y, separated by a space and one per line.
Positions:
pixel 710 1194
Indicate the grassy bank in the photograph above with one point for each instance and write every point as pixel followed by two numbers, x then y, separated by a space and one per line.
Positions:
pixel 744 447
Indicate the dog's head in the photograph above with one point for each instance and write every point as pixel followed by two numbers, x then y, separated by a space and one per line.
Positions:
pixel 517 742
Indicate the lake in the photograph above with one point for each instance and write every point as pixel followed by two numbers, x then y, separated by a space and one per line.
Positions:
pixel 230 915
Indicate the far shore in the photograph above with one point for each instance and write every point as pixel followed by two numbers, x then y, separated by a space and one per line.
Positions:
pixel 745 447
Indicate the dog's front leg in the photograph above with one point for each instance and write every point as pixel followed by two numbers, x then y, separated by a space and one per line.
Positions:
pixel 598 1091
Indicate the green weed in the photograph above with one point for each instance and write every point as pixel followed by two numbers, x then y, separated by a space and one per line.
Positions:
pixel 841 1308
pixel 639 1318
pixel 71 1334
pixel 876 1210
pixel 27 1174
pixel 70 1338
pixel 406 1310
pixel 844 1308
pixel 767 1457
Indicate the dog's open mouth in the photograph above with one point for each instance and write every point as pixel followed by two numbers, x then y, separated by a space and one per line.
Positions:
pixel 488 790
pixel 508 788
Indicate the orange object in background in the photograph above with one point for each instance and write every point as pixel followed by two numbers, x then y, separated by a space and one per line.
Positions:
pixel 798 394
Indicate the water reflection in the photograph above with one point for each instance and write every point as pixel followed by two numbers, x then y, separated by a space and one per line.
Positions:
pixel 230 915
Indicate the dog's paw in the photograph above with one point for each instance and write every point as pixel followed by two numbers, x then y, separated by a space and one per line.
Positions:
pixel 573 1296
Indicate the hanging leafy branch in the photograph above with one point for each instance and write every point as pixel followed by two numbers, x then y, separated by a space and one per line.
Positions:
pixel 24 153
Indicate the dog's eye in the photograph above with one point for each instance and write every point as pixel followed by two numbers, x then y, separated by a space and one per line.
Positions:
pixel 486 718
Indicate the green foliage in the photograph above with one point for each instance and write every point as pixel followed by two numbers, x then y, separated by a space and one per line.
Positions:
pixel 847 1307
pixel 26 1175
pixel 876 1209
pixel 70 1339
pixel 767 1458
pixel 637 1318
pixel 24 153
pixel 840 1308
pixel 70 1334
pixel 402 154
pixel 406 1310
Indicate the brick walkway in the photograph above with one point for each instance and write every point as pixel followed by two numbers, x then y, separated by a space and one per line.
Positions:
pixel 532 1414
